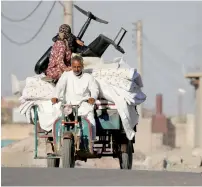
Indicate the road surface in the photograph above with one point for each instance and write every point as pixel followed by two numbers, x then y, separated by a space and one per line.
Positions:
pixel 95 177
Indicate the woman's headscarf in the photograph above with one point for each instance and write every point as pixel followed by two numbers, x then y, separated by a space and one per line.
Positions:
pixel 65 30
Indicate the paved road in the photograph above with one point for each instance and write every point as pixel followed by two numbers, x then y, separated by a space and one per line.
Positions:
pixel 94 177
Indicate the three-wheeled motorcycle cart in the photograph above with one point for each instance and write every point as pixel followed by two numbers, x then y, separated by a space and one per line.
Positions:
pixel 71 138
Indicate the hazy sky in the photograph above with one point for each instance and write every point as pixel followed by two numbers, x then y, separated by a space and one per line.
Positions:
pixel 172 41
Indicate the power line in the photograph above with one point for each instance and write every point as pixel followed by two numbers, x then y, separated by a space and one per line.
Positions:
pixel 22 19
pixel 33 37
pixel 61 4
pixel 159 49
pixel 165 56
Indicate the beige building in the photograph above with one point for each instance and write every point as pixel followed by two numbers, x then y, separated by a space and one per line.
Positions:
pixel 196 82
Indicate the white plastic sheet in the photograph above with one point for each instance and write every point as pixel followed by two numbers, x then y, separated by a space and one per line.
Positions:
pixel 127 112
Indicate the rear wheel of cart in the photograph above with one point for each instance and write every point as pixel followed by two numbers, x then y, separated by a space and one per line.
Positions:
pixel 53 162
pixel 126 158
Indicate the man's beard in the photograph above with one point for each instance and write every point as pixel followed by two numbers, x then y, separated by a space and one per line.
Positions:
pixel 78 73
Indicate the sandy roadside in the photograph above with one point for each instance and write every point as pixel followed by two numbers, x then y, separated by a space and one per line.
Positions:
pixel 21 154
pixel 16 131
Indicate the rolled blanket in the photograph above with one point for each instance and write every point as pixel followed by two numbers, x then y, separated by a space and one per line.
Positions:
pixel 118 82
pixel 124 73
pixel 37 89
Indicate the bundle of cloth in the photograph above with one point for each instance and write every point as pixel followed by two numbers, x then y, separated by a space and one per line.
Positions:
pixel 126 82
pixel 117 82
pixel 35 92
pixel 122 86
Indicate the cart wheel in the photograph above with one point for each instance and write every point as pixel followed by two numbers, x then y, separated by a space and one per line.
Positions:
pixel 53 162
pixel 126 159
pixel 68 160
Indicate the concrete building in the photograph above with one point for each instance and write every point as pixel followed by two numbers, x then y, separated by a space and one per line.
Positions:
pixel 196 82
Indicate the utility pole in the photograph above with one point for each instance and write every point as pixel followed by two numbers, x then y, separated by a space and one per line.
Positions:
pixel 179 108
pixel 181 93
pixel 139 55
pixel 68 11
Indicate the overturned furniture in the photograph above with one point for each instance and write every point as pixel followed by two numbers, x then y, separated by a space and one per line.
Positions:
pixel 94 49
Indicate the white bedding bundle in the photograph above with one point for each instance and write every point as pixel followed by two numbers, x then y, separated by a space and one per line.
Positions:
pixel 37 89
pixel 125 81
pixel 122 86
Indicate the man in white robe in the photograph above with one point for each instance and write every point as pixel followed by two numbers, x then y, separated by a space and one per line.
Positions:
pixel 80 89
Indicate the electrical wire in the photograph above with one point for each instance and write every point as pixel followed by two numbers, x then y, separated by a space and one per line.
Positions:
pixel 61 4
pixel 33 37
pixel 22 19
pixel 159 50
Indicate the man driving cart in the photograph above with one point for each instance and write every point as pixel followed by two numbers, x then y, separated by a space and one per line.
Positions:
pixel 80 89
